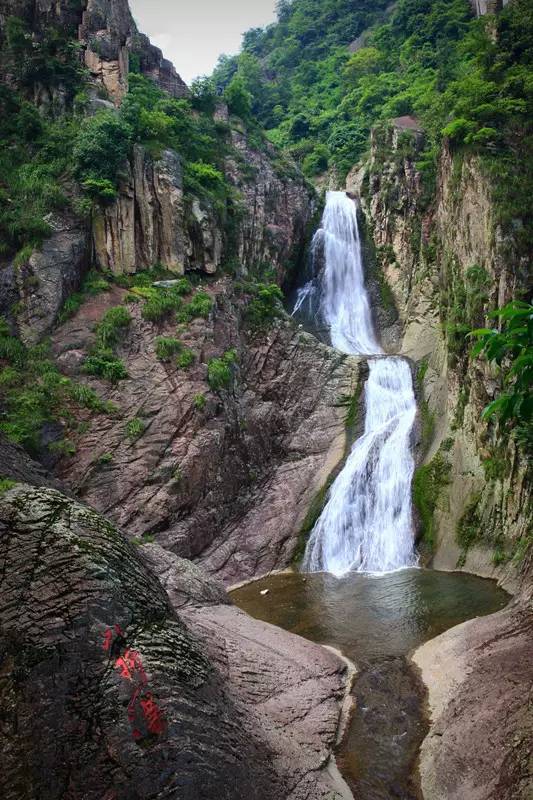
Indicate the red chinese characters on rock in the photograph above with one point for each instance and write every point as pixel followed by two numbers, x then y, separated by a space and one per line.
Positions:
pixel 145 716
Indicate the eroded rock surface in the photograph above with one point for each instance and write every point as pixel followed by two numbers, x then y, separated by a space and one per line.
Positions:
pixel 480 681
pixel 288 687
pixel 105 692
pixel 102 685
pixel 230 483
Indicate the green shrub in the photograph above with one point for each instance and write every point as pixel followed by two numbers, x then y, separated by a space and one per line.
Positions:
pixel 161 303
pixel 200 401
pixel 86 397
pixel 316 162
pixel 238 98
pixel 101 189
pixel 33 392
pixel 101 147
pixel 135 429
pixel 166 347
pixel 111 326
pixel 105 458
pixel 511 349
pixel 200 306
pixel 185 359
pixel 63 447
pixel 220 372
pixel 103 363
pixel 265 305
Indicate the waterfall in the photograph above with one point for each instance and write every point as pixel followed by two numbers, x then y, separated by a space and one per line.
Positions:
pixel 366 524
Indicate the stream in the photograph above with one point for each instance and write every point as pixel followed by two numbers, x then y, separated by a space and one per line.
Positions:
pixel 360 590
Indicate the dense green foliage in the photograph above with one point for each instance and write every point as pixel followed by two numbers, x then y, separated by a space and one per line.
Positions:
pixel 265 304
pixel 33 393
pixel 464 78
pixel 102 361
pixel 511 350
pixel 46 153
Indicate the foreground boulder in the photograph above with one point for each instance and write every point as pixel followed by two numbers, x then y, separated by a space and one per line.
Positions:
pixel 106 694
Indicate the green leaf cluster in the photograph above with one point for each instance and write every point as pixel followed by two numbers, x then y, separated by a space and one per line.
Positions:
pixel 102 361
pixel 510 348
pixel 220 371
pixel 33 393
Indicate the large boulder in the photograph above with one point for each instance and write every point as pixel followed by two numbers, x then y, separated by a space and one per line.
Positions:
pixel 104 692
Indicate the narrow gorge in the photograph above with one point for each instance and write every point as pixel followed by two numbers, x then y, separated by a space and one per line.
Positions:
pixel 265 405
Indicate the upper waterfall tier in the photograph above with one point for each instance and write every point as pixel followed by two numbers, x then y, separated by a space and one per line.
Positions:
pixel 343 305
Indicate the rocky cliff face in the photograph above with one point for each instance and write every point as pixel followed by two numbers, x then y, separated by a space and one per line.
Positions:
pixel 108 37
pixel 227 482
pixel 448 264
pixel 152 222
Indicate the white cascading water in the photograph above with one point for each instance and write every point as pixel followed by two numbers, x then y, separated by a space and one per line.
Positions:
pixel 366 525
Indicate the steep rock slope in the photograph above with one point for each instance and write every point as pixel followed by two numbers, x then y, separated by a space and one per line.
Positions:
pixel 77 600
pixel 228 480
pixel 479 677
pixel 447 264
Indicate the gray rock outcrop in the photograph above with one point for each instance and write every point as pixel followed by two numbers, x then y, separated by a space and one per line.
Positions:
pixel 106 693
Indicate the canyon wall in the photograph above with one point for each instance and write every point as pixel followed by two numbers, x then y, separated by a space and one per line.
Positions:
pixel 448 263
pixel 445 261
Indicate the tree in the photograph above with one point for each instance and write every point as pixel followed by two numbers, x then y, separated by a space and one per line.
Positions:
pixel 238 98
pixel 204 94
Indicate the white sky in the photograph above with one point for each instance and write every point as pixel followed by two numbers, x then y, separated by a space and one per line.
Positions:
pixel 193 33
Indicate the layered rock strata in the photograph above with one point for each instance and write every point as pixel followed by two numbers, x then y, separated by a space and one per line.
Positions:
pixel 106 692
pixel 228 483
